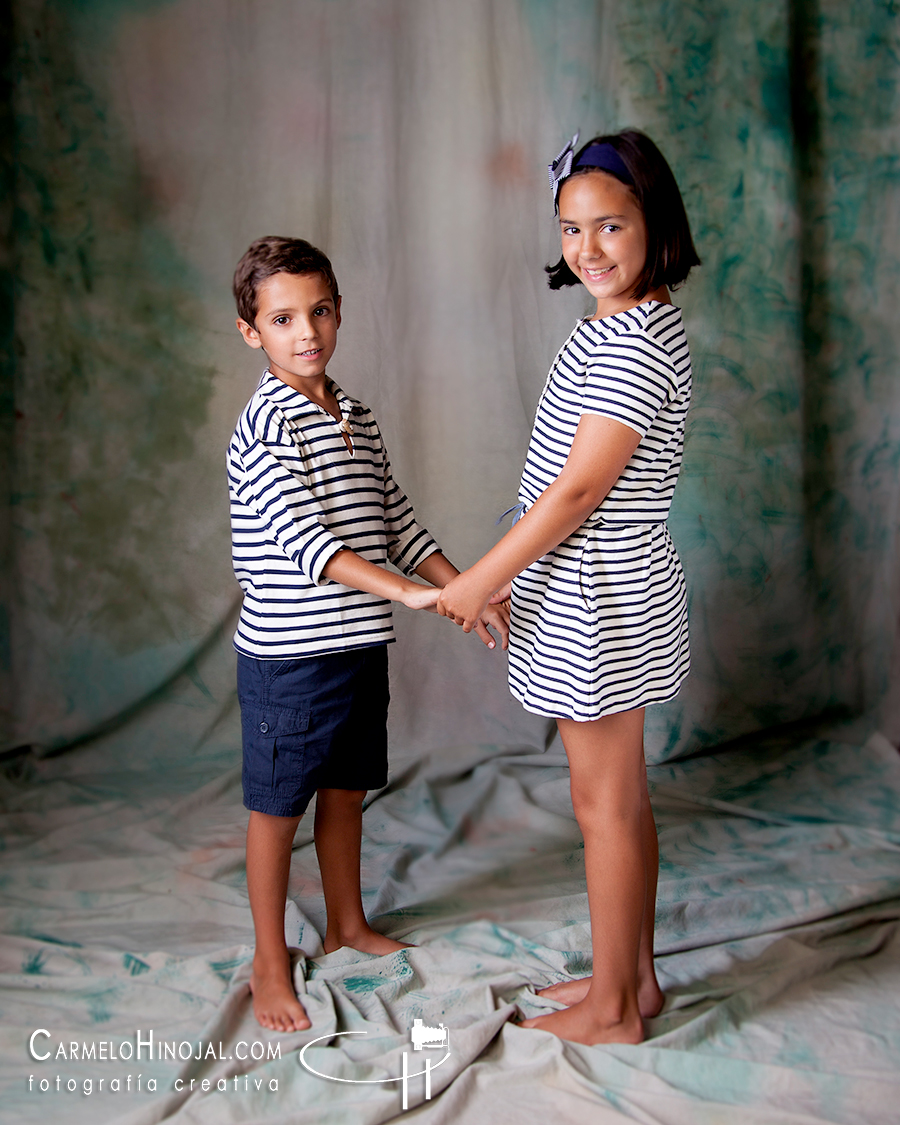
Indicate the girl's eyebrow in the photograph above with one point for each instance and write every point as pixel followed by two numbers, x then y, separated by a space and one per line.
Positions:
pixel 600 219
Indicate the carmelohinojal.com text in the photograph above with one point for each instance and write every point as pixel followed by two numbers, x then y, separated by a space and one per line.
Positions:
pixel 43 1048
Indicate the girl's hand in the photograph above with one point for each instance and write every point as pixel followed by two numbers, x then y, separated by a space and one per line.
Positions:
pixel 417 596
pixel 463 600
pixel 502 595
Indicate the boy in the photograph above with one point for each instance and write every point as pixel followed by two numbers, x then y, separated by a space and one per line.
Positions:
pixel 315 517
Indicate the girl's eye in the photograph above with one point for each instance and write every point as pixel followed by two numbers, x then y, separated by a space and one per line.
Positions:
pixel 323 310
pixel 570 230
pixel 611 227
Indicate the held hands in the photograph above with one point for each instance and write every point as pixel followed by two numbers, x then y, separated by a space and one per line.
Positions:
pixel 418 596
pixel 464 600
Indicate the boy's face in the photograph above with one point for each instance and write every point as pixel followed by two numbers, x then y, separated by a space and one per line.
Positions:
pixel 296 326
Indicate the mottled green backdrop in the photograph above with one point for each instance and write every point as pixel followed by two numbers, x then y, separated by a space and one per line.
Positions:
pixel 151 141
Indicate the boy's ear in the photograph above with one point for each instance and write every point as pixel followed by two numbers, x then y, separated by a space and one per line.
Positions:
pixel 251 336
pixel 337 312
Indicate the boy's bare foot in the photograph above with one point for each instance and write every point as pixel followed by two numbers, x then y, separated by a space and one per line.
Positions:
pixel 580 1024
pixel 650 996
pixel 364 941
pixel 275 1003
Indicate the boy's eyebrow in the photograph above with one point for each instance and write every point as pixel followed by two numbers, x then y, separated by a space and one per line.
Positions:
pixel 290 309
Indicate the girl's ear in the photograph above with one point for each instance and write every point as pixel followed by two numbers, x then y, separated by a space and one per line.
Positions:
pixel 251 336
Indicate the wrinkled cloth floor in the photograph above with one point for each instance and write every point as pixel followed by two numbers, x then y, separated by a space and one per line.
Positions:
pixel 124 910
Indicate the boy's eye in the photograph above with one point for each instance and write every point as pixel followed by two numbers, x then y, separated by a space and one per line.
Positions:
pixel 280 320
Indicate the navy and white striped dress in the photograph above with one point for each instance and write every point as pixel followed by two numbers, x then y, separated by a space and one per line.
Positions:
pixel 599 625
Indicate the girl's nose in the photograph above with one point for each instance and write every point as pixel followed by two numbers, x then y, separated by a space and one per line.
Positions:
pixel 591 246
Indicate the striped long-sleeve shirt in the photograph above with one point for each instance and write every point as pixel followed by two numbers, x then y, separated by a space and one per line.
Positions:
pixel 298 496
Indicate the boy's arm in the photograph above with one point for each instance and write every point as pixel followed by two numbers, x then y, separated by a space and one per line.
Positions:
pixel 351 569
pixel 408 543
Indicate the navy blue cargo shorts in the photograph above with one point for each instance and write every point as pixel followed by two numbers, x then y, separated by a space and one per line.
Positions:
pixel 317 722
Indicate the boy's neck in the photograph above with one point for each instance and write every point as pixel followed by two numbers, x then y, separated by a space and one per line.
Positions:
pixel 314 387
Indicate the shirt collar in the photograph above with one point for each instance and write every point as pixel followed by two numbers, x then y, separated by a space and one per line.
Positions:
pixel 293 404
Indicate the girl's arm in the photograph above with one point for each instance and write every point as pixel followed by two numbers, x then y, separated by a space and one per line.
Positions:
pixel 600 451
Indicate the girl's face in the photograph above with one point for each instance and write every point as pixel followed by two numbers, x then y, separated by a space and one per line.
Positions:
pixel 604 239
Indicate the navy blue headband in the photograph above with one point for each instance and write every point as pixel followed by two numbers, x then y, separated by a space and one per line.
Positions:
pixel 602 156
pixel 606 157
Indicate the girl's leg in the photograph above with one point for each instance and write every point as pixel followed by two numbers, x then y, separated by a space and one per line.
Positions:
pixel 269 841
pixel 608 782
pixel 338 835
pixel 650 995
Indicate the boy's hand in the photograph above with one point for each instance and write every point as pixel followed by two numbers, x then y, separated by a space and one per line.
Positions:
pixel 503 595
pixel 497 616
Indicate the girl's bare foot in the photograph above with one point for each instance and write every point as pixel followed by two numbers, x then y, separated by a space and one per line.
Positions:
pixel 364 941
pixel 580 1024
pixel 650 996
pixel 275 1003
pixel 567 992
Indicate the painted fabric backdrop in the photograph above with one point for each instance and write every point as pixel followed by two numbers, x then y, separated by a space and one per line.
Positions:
pixel 148 143
pixel 153 140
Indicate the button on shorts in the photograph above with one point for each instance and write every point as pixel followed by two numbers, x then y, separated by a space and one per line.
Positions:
pixel 319 722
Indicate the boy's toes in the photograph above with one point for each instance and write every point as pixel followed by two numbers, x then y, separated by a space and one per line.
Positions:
pixel 275 1004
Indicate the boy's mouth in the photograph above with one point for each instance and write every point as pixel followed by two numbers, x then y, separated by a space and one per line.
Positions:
pixel 311 353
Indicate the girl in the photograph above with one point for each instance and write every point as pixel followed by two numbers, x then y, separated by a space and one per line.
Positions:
pixel 599 614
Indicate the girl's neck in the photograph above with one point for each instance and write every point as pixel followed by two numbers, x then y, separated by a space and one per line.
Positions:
pixel 612 307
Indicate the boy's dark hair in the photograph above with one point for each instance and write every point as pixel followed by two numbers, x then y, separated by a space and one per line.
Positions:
pixel 271 255
pixel 670 248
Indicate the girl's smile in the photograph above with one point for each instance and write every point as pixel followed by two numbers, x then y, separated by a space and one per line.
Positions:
pixel 604 240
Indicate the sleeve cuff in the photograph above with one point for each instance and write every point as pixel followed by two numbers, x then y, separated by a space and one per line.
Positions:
pixel 413 552
pixel 317 555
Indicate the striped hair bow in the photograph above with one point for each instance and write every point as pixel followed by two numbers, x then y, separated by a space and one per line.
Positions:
pixel 562 167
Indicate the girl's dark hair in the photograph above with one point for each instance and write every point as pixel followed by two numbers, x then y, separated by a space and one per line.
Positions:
pixel 670 248
pixel 274 254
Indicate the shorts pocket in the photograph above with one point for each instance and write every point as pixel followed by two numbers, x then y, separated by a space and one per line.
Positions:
pixel 274 759
pixel 273 722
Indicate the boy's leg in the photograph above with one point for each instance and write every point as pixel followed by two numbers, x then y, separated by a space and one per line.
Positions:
pixel 338 834
pixel 269 842
pixel 607 777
